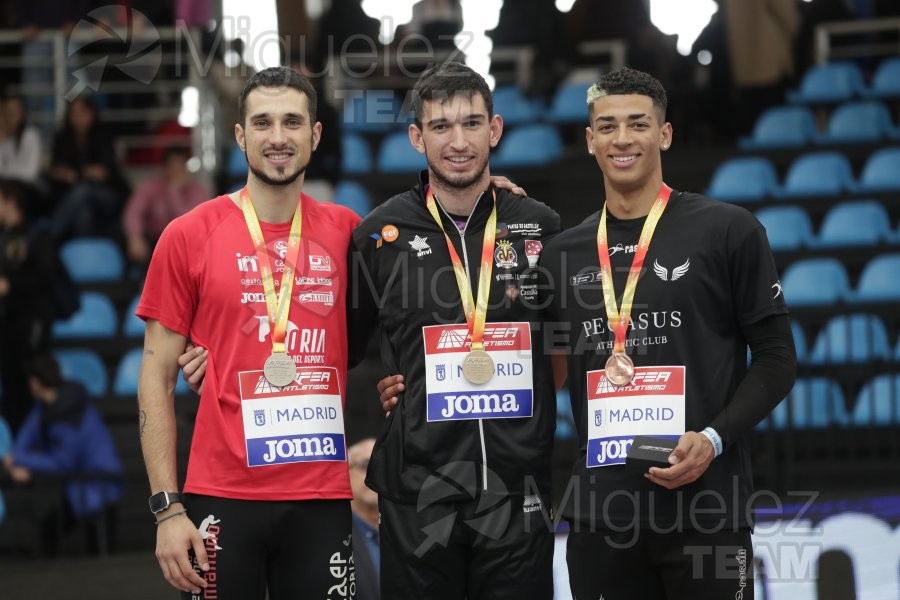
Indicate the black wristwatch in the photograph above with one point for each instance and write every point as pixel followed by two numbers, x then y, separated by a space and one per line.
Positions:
pixel 163 500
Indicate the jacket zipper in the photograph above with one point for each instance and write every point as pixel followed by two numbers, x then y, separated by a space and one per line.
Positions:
pixel 462 238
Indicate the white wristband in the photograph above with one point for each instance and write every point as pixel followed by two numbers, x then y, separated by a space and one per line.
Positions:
pixel 714 438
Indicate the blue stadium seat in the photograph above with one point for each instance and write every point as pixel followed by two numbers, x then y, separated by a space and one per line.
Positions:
pixel 397 155
pixel 878 403
pixel 132 326
pixel 85 367
pixel 570 104
pixel 356 156
pixel 93 260
pixel 868 121
pixel 828 84
pixel 817 403
pixel 128 371
pixel 354 196
pixel 126 381
pixel 236 169
pixel 95 319
pixel 886 81
pixel 813 403
pixel 565 422
pixel 788 227
pixel 857 223
pixel 528 146
pixel 743 180
pixel 857 338
pixel 815 282
pixel 881 172
pixel 799 341
pixel 372 111
pixel 817 175
pixel 511 104
pixel 880 280
pixel 782 127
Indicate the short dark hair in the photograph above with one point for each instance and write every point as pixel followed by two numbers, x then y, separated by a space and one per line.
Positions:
pixel 628 81
pixel 176 150
pixel 443 81
pixel 279 77
pixel 45 369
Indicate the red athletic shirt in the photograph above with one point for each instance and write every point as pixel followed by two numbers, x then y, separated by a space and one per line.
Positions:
pixel 204 283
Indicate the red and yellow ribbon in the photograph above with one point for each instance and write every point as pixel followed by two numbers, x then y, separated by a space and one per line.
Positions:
pixel 619 319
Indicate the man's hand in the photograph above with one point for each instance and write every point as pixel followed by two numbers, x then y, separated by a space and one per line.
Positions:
pixel 388 390
pixel 20 475
pixel 193 366
pixel 173 540
pixel 138 249
pixel 501 182
pixel 689 460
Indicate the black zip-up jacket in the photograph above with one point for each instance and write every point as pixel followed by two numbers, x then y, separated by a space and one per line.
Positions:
pixel 404 283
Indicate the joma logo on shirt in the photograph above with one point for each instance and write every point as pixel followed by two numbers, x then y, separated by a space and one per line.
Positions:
pixel 299 447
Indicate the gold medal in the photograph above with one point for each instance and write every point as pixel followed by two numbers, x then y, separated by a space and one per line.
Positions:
pixel 478 367
pixel 619 369
pixel 280 369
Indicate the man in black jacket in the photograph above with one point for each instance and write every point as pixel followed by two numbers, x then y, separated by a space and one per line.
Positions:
pixel 462 468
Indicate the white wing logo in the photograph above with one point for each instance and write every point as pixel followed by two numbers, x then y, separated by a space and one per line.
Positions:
pixel 677 273
pixel 776 287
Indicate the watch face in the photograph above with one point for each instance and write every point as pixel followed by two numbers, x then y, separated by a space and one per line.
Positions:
pixel 158 502
pixel 161 501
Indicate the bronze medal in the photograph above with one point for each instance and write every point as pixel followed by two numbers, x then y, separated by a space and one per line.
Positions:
pixel 478 367
pixel 280 369
pixel 619 369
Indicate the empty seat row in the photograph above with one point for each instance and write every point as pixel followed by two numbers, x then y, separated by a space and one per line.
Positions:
pixel 841 81
pixel 98 319
pixel 854 339
pixel 824 281
pixel 818 403
pixel 815 175
pixel 383 112
pixel 87 368
pixel 867 121
pixel 855 223
pixel 522 146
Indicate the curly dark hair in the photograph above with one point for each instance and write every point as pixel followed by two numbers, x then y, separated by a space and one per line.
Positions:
pixel 628 81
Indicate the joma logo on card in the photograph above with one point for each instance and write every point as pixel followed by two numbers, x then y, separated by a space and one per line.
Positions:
pixel 479 404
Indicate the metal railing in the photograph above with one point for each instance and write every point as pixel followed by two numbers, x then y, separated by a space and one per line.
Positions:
pixel 831 39
pixel 138 78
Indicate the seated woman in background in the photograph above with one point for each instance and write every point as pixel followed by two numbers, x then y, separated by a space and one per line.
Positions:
pixel 88 186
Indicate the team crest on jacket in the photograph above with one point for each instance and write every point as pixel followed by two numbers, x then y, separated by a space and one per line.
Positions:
pixel 505 255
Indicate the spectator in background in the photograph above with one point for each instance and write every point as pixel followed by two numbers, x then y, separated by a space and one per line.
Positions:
pixel 5 447
pixel 85 173
pixel 760 36
pixel 158 200
pixel 366 550
pixel 64 436
pixel 324 170
pixel 28 267
pixel 344 29
pixel 33 17
pixel 438 21
pixel 20 143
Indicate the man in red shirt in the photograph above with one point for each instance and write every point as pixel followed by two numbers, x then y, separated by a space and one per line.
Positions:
pixel 258 279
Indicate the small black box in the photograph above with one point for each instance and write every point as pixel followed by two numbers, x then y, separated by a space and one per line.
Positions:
pixel 646 452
